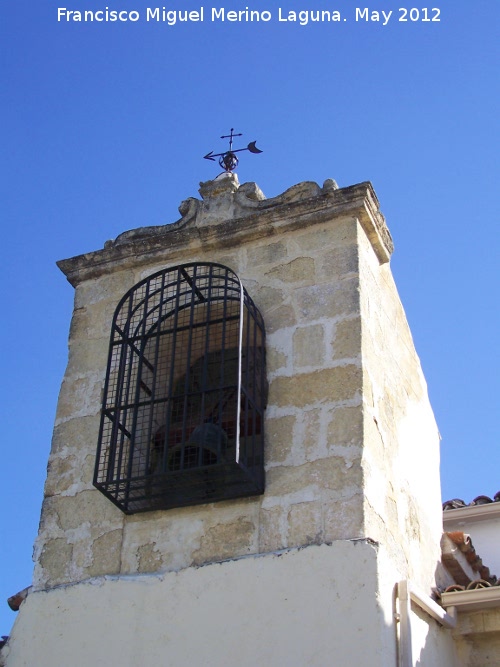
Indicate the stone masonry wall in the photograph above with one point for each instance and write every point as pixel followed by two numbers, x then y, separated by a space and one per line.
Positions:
pixel 306 286
pixel 401 440
pixel 305 258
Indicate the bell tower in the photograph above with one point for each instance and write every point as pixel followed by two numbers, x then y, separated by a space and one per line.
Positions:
pixel 245 461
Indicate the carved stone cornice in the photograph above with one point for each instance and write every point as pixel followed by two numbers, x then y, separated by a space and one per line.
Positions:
pixel 230 215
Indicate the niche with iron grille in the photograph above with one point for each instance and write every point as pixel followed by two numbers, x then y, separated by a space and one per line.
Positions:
pixel 182 419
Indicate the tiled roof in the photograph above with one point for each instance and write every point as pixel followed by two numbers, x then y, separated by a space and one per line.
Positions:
pixel 474 585
pixel 480 500
pixel 478 576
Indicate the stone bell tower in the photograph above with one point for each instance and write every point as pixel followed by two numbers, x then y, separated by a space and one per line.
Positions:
pixel 267 468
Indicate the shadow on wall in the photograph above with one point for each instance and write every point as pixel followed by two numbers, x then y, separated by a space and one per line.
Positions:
pixel 438 649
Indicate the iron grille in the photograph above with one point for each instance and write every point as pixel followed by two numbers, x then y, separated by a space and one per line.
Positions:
pixel 182 418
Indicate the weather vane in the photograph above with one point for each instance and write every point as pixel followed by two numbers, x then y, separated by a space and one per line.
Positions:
pixel 228 160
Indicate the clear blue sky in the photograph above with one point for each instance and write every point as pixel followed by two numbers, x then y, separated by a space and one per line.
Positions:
pixel 104 129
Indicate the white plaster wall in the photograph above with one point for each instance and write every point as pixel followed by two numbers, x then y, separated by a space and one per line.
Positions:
pixel 485 537
pixel 432 645
pixel 317 606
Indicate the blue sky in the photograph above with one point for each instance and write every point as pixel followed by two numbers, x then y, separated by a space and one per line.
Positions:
pixel 104 129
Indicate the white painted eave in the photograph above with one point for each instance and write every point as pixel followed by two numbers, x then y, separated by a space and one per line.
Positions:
pixel 471 513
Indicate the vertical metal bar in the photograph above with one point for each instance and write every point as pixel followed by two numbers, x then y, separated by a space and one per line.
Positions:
pixel 247 388
pixel 171 375
pixel 222 373
pixel 137 397
pixel 205 356
pixel 254 387
pixel 125 352
pixel 108 473
pixel 238 391
pixel 188 365
pixel 114 424
pixel 102 473
pixel 155 371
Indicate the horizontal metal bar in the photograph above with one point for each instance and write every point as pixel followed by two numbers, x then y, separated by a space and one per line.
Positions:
pixel 164 332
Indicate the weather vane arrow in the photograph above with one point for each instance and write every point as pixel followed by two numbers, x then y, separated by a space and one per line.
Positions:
pixel 228 160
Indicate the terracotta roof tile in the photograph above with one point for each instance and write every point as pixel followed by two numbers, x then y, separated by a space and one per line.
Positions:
pixel 16 600
pixel 472 586
pixel 479 500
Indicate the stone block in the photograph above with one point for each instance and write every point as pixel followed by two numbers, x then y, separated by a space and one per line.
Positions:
pixel 75 435
pixel 312 440
pixel 231 260
pixel 174 534
pixel 142 542
pixel 65 474
pixel 268 298
pixel 306 481
pixel 271 523
pixel 347 341
pixel 340 383
pixel 345 427
pixel 328 300
pixel 88 355
pixel 93 321
pixel 178 538
pixel 316 239
pixel 227 540
pixel 344 518
pixel 279 439
pixel 309 346
pixel 267 254
pixel 80 396
pixel 280 318
pixel 340 262
pixel 87 506
pixel 299 270
pixel 492 621
pixel 55 559
pixel 108 287
pixel 149 557
pixel 275 359
pixel 304 524
pixel 106 554
pixel 84 531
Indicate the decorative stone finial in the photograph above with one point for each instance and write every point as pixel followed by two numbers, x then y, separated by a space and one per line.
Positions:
pixel 225 183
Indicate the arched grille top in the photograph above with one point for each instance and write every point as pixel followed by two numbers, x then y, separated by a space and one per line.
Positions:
pixel 185 390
